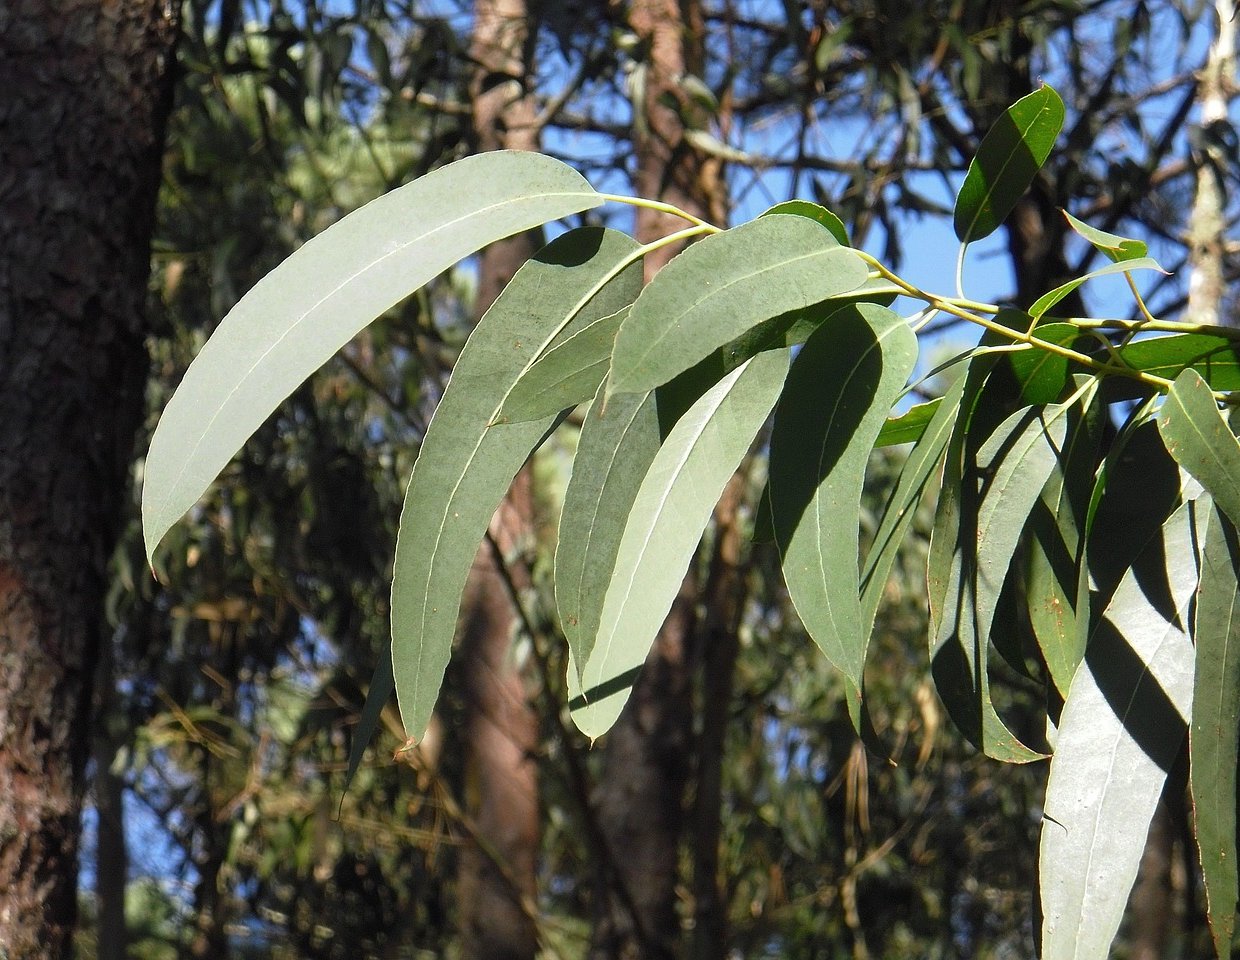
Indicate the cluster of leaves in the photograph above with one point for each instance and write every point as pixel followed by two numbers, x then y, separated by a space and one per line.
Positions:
pixel 1115 545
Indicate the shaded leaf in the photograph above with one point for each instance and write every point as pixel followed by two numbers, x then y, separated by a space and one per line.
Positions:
pixel 665 524
pixel 302 312
pixel 465 466
pixel 1042 375
pixel 1121 728
pixel 839 392
pixel 1217 359
pixel 1214 739
pixel 377 696
pixel 1009 157
pixel 613 454
pixel 722 286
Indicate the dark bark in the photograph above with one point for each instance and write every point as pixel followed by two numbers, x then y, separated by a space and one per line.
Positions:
pixel 85 95
pixel 496 881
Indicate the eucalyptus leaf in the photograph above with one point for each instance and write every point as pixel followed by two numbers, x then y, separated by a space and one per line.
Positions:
pixel 1200 440
pixel 1042 375
pixel 1216 358
pixel 467 461
pixel 722 286
pixel 1048 300
pixel 1009 157
pixel 839 392
pixel 1115 248
pixel 306 309
pixel 909 426
pixel 614 451
pixel 377 695
pixel 813 211
pixel 1122 725
pixel 1214 738
pixel 665 524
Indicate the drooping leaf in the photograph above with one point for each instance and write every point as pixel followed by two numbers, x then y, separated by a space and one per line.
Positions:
pixel 302 312
pixel 922 462
pixel 466 464
pixel 839 392
pixel 1196 434
pixel 665 524
pixel 722 286
pixel 1000 485
pixel 1009 157
pixel 1115 248
pixel 1121 728
pixel 909 426
pixel 1056 545
pixel 1217 359
pixel 377 696
pixel 1214 738
pixel 1048 300
pixel 813 211
pixel 613 454
pixel 567 374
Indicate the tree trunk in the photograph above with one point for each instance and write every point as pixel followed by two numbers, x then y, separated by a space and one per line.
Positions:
pixel 496 887
pixel 86 94
pixel 649 752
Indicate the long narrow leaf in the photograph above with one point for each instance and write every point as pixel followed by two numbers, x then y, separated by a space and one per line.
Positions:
pixel 721 287
pixel 1214 739
pixel 465 466
pixel 664 527
pixel 839 392
pixel 1196 434
pixel 1121 727
pixel 614 452
pixel 306 309
pixel 1048 300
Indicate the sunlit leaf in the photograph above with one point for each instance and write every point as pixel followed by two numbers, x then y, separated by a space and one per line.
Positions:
pixel 613 454
pixel 665 524
pixel 1217 359
pixel 302 312
pixel 839 392
pixel 909 426
pixel 1115 248
pixel 1122 725
pixel 567 374
pixel 813 211
pixel 465 466
pixel 722 286
pixel 1214 738
pixel 1009 157
pixel 1048 300
pixel 1196 434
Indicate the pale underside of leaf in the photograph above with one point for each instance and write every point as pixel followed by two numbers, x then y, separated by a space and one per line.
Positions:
pixel 1121 727
pixel 839 393
pixel 614 451
pixel 465 466
pixel 301 313
pixel 671 510
pixel 721 287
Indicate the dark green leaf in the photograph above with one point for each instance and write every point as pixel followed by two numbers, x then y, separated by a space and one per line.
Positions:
pixel 1008 159
pixel 1048 300
pixel 1217 359
pixel 908 426
pixel 840 390
pixel 1042 375
pixel 377 695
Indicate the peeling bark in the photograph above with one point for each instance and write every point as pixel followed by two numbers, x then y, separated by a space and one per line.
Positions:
pixel 81 126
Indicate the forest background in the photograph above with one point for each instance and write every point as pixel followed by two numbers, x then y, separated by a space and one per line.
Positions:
pixel 731 812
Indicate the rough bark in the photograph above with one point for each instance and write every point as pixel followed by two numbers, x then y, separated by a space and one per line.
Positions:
pixel 497 870
pixel 640 800
pixel 81 123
